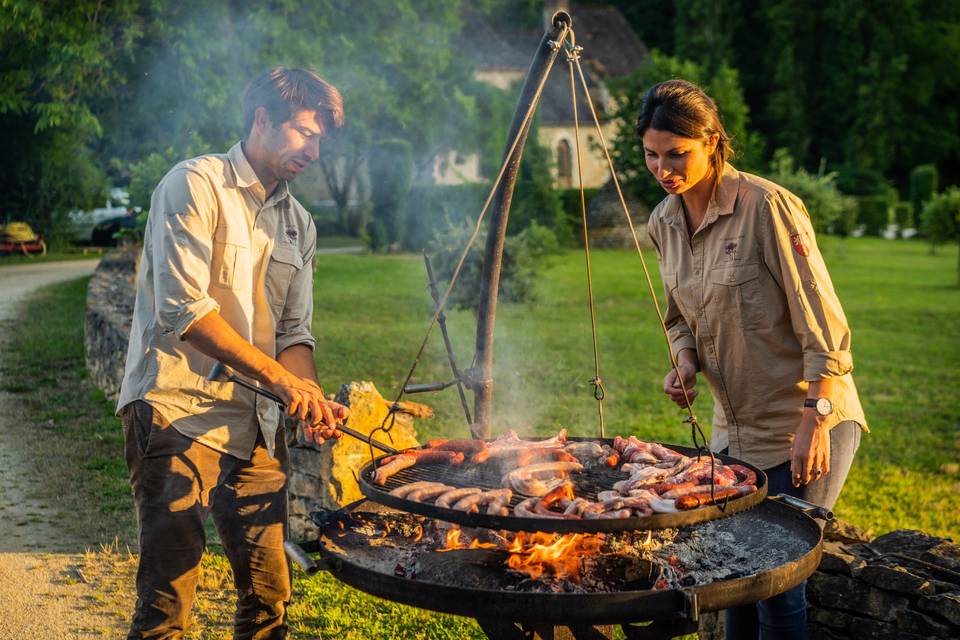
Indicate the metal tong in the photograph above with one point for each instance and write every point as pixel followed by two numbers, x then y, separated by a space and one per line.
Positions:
pixel 220 370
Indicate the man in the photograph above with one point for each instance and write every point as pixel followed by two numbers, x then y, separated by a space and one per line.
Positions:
pixel 226 275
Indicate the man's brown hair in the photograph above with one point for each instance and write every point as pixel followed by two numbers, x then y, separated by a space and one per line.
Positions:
pixel 281 91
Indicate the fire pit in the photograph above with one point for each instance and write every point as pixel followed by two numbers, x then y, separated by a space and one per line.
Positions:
pixel 668 575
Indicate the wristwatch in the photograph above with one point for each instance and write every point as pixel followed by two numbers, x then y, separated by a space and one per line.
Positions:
pixel 823 406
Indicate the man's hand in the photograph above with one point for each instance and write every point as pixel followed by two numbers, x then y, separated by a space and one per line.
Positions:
pixel 320 432
pixel 810 453
pixel 305 401
pixel 671 384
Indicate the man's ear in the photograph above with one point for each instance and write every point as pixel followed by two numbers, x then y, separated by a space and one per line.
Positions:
pixel 261 120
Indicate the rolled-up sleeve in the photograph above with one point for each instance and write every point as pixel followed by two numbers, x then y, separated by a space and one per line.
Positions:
pixel 295 322
pixel 183 219
pixel 793 258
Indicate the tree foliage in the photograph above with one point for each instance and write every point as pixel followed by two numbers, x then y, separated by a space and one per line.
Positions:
pixel 59 59
pixel 872 84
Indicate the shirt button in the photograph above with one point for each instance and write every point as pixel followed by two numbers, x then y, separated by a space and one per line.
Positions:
pixel 182 241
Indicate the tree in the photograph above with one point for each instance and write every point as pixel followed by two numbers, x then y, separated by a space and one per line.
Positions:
pixel 59 58
pixel 923 186
pixel 941 220
pixel 391 170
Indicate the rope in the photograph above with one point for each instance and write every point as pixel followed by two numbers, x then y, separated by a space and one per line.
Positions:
pixel 696 432
pixel 391 417
pixel 573 54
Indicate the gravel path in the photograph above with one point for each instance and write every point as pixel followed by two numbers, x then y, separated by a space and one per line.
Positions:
pixel 43 592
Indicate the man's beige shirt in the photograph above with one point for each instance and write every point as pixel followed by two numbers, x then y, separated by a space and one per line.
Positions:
pixel 751 293
pixel 214 241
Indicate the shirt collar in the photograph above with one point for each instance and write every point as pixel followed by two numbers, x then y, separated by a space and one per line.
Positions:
pixel 721 204
pixel 244 174
pixel 246 177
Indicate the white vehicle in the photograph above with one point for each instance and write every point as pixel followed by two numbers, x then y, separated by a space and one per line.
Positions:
pixel 83 222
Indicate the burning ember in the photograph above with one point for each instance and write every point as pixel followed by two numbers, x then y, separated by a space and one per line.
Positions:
pixel 539 555
pixel 559 555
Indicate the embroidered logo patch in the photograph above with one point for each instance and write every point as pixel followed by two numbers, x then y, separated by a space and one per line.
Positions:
pixel 292 234
pixel 730 249
pixel 799 244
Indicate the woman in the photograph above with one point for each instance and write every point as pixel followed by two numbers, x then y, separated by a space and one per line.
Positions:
pixel 750 305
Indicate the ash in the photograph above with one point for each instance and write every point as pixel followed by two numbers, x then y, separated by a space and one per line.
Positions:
pixel 711 552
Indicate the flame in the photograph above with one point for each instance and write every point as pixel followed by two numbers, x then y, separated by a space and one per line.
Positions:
pixel 418 534
pixel 559 556
pixel 455 540
pixel 536 554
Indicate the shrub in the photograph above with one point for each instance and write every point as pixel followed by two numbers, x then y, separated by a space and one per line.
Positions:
pixel 570 202
pixel 824 203
pixel 432 208
pixel 391 171
pixel 857 181
pixel 923 187
pixel 941 219
pixel 535 199
pixel 941 216
pixel 524 255
pixel 874 213
pixel 903 216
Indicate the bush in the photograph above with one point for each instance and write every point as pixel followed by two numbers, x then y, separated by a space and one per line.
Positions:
pixel 874 213
pixel 570 202
pixel 825 204
pixel 923 187
pixel 856 181
pixel 391 171
pixel 941 216
pixel 941 220
pixel 524 255
pixel 535 199
pixel 432 208
pixel 903 216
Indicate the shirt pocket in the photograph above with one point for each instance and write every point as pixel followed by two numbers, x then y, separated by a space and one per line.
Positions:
pixel 228 244
pixel 285 261
pixel 735 295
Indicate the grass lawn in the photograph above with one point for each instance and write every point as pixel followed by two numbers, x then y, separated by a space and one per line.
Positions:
pixel 371 312
pixel 902 303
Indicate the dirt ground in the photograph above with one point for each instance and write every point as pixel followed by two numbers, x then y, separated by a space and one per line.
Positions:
pixel 50 588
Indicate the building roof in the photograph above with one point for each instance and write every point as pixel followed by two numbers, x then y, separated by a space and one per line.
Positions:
pixel 610 49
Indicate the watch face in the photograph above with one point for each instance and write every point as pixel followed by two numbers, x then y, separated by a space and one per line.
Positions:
pixel 824 406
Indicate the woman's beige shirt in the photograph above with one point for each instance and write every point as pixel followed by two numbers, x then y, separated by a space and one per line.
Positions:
pixel 751 293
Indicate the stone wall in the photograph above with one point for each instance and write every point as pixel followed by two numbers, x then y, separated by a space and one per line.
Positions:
pixel 904 585
pixel 106 330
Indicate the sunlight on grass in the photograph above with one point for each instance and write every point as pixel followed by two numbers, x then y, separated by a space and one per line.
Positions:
pixel 372 311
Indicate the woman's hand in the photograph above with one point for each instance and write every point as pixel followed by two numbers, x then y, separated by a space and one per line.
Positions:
pixel 671 384
pixel 810 454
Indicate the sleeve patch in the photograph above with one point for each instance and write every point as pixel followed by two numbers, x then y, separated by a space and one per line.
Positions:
pixel 799 243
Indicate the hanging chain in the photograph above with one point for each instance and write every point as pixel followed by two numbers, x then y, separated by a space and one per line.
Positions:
pixel 573 55
pixel 696 433
pixel 390 419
